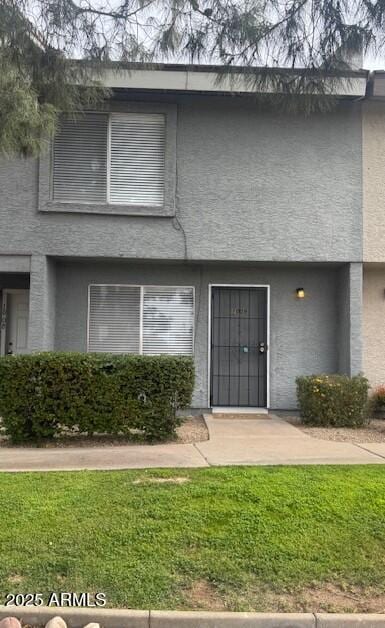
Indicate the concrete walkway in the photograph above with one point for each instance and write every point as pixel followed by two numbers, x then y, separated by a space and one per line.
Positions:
pixel 254 441
pixel 114 457
pixel 274 441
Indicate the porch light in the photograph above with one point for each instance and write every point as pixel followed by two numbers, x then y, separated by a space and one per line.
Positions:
pixel 300 292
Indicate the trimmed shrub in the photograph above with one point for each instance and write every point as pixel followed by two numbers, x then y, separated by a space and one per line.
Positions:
pixel 40 394
pixel 333 400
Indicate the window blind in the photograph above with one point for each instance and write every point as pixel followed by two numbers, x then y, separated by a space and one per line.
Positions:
pixel 116 158
pixel 114 319
pixel 168 320
pixel 133 319
pixel 80 159
pixel 137 154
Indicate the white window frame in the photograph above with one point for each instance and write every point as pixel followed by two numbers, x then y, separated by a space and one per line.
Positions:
pixel 142 288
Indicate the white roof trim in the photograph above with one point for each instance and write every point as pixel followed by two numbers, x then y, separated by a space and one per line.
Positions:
pixel 205 81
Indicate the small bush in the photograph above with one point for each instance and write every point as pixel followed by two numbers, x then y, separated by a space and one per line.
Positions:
pixel 377 400
pixel 40 394
pixel 333 400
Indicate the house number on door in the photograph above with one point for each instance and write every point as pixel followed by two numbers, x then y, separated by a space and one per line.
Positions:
pixel 237 311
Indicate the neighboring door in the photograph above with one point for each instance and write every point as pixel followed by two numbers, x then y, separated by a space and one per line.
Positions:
pixel 239 347
pixel 16 309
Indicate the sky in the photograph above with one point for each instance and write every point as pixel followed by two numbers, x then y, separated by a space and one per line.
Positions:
pixel 372 63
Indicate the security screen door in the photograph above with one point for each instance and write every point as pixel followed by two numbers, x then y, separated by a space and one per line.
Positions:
pixel 239 347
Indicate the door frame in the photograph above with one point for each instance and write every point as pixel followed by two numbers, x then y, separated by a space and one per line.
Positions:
pixel 4 298
pixel 241 285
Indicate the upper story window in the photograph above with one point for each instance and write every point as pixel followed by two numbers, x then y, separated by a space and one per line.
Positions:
pixel 119 161
pixel 111 158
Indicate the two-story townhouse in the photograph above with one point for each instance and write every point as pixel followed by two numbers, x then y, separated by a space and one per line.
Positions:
pixel 374 230
pixel 185 217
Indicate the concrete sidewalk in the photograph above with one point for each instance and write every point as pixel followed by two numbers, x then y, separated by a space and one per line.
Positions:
pixel 261 441
pixel 114 457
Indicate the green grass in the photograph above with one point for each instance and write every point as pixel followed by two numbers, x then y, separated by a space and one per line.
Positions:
pixel 239 529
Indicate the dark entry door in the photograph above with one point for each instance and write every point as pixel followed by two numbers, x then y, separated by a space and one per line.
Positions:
pixel 239 347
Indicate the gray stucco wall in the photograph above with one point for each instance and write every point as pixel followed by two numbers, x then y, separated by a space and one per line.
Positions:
pixel 250 186
pixel 42 313
pixel 373 324
pixel 350 313
pixel 303 338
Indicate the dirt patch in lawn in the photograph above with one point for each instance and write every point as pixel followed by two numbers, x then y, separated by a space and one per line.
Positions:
pixel 373 432
pixel 180 480
pixel 192 430
pixel 203 595
pixel 15 579
pixel 328 598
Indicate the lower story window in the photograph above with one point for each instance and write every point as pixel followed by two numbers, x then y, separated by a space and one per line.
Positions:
pixel 141 319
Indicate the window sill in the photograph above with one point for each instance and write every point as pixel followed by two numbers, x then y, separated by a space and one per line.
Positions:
pixel 107 209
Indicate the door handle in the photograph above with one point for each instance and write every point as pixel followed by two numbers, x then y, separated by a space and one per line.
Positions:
pixel 262 347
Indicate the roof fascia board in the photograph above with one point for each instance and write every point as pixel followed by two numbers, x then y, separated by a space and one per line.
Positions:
pixel 197 81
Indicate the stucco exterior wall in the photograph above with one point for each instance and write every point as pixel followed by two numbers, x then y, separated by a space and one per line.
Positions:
pixel 374 328
pixel 251 185
pixel 303 338
pixel 373 152
pixel 373 164
pixel 350 319
pixel 42 312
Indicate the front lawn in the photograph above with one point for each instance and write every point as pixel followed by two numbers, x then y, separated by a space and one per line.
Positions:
pixel 251 538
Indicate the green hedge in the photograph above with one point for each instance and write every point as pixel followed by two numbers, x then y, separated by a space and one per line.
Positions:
pixel 333 400
pixel 40 394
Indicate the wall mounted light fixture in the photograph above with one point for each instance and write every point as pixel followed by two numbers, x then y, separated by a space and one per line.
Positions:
pixel 300 293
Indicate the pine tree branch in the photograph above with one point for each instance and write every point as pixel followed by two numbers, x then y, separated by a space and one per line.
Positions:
pixel 120 15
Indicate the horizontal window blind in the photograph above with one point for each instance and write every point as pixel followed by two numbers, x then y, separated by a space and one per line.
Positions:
pixel 114 319
pixel 137 155
pixel 80 159
pixel 168 320
pixel 133 319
